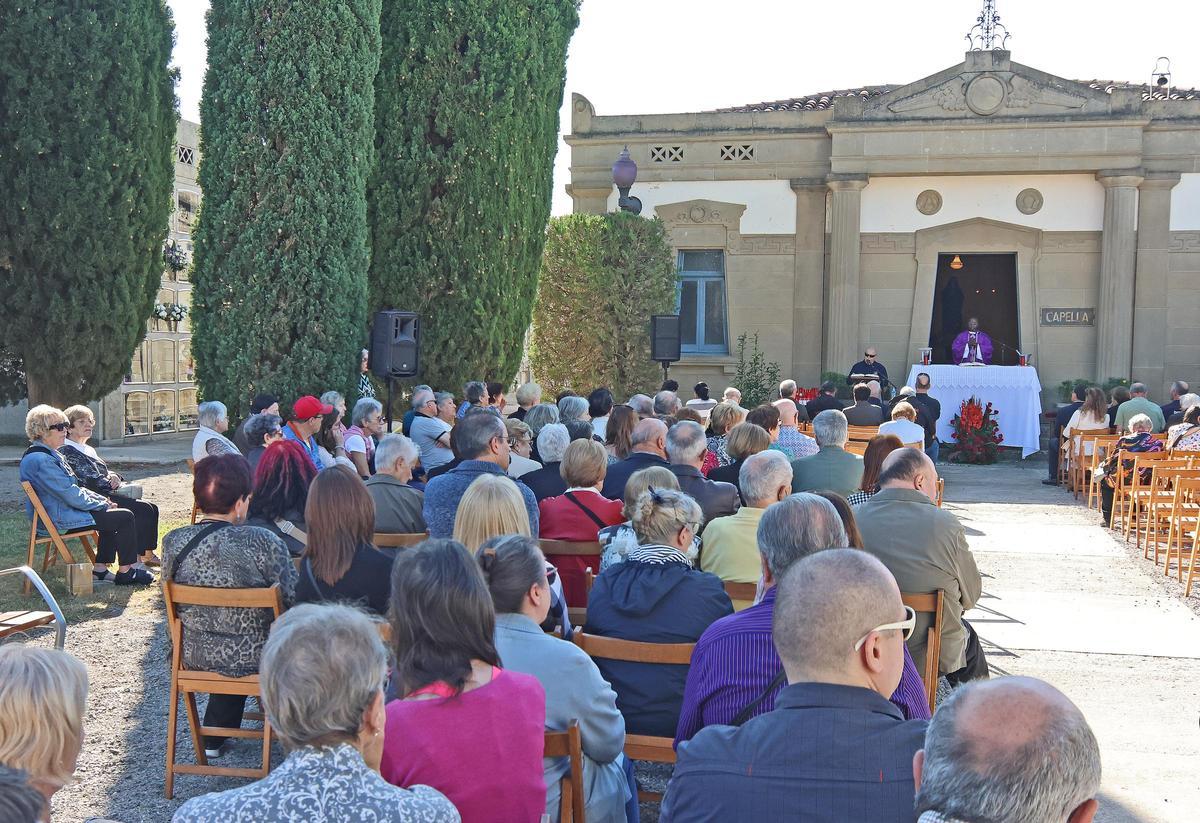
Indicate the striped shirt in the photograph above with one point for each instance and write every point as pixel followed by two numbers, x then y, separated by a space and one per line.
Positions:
pixel 734 662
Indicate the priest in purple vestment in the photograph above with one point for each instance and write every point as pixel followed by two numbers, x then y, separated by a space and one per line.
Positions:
pixel 972 346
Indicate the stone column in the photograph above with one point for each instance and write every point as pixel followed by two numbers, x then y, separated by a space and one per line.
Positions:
pixel 842 293
pixel 1150 294
pixel 1118 251
pixel 808 303
pixel 589 199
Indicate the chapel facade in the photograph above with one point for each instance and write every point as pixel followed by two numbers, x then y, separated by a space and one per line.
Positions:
pixel 1064 214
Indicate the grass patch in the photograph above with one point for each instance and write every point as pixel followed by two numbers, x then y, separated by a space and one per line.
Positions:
pixel 105 601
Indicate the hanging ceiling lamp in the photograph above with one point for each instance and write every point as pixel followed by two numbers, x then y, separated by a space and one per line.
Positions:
pixel 956 263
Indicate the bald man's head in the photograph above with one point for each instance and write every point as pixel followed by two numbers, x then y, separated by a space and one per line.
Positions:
pixel 649 435
pixel 909 468
pixel 1012 749
pixel 826 603
pixel 787 412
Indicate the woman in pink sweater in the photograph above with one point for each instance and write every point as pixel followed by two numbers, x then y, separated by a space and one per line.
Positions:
pixel 464 726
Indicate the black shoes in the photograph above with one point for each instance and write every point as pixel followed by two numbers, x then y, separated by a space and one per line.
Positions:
pixel 133 577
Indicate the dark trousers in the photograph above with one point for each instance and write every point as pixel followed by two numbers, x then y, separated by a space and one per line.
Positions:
pixel 632 810
pixel 118 536
pixel 225 711
pixel 976 667
pixel 145 521
pixel 1106 500
pixel 1055 451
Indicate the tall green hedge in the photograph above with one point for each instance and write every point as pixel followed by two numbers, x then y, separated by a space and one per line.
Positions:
pixel 281 247
pixel 87 125
pixel 602 278
pixel 466 114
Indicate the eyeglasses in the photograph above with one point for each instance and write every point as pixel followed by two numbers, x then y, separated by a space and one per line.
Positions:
pixel 59 427
pixel 906 626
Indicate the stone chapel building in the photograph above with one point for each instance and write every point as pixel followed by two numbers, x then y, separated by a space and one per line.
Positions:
pixel 830 223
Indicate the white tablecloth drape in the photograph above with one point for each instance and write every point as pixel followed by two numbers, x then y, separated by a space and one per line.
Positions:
pixel 1013 391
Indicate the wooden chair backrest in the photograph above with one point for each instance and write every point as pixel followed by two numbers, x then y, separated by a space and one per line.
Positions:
pixel 177 594
pixel 569 744
pixel 398 541
pixel 191 465
pixel 633 651
pixel 941 493
pixel 929 603
pixel 862 432
pixel 858 447
pixel 1159 436
pixel 741 591
pixel 1164 472
pixel 572 547
pixel 39 512
pixel 1152 460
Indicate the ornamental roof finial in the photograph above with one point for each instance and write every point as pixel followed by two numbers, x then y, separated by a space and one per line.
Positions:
pixel 988 33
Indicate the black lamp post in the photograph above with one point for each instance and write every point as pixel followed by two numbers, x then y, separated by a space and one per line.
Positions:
pixel 624 175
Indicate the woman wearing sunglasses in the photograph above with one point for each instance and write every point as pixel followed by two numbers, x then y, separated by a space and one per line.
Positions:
pixel 73 508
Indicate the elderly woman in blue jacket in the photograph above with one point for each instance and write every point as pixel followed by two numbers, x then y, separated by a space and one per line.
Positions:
pixel 73 508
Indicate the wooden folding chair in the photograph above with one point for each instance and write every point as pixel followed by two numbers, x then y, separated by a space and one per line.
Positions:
pixel 741 591
pixel 1124 488
pixel 398 541
pixel 191 464
pixel 186 682
pixel 640 746
pixel 1063 449
pixel 1183 519
pixel 1156 504
pixel 858 447
pixel 1136 492
pixel 863 433
pixel 1187 590
pixel 55 541
pixel 930 603
pixel 941 493
pixel 569 744
pixel 1104 446
pixel 1081 456
pixel 22 621
pixel 572 548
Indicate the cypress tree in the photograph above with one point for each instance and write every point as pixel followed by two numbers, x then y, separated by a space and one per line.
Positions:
pixel 466 114
pixel 281 247
pixel 87 125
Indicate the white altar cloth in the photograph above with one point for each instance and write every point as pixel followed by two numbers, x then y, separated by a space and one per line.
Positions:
pixel 1013 391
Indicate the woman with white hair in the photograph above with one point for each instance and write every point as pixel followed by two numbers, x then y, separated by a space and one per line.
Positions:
pixel 573 407
pixel 322 673
pixel 1139 439
pixel 397 505
pixel 366 423
pixel 655 596
pixel 209 439
pixel 528 396
pixel 43 697
pixel 1185 436
pixel 540 416
pixel 71 507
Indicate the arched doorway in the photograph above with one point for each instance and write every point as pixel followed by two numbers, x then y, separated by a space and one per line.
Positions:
pixel 984 287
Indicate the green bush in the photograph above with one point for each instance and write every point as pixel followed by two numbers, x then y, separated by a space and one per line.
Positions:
pixel 466 112
pixel 757 377
pixel 839 381
pixel 602 277
pixel 281 247
pixel 87 125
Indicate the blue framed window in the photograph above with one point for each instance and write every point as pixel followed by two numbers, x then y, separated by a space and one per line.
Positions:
pixel 700 301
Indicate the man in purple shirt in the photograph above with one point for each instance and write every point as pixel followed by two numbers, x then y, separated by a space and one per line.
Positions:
pixel 735 662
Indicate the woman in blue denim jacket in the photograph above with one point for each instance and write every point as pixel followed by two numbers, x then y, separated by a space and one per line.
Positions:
pixel 73 508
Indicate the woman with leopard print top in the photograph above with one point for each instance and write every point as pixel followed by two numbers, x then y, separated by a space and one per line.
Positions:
pixel 220 552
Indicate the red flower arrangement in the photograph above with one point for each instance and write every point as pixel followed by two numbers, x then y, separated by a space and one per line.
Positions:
pixel 976 433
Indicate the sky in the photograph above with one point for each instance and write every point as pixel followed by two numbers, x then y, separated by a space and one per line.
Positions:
pixel 658 56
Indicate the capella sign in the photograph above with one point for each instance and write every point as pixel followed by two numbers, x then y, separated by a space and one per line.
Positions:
pixel 1068 317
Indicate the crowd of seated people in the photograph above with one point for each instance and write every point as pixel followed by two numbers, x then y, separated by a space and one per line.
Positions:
pixel 768 717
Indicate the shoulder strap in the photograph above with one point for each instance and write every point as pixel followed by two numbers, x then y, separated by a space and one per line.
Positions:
pixel 591 514
pixel 38 447
pixel 191 544
pixel 289 528
pixel 312 578
pixel 745 714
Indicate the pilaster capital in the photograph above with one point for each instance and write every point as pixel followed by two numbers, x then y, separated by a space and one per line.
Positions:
pixel 1160 180
pixel 1120 178
pixel 809 184
pixel 846 182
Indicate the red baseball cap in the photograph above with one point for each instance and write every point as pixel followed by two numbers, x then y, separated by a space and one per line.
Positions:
pixel 309 406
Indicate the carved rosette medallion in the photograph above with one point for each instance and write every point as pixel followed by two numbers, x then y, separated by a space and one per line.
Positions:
pixel 1029 201
pixel 929 202
pixel 985 94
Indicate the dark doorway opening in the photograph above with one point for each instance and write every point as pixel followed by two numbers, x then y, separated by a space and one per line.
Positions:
pixel 986 288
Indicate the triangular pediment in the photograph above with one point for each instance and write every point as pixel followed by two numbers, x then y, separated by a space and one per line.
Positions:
pixel 987 84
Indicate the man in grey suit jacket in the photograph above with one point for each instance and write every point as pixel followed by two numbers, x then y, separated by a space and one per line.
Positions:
pixel 686 445
pixel 863 412
pixel 832 468
pixel 925 548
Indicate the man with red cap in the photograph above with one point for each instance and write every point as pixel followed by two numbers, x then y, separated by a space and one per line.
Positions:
pixel 307 412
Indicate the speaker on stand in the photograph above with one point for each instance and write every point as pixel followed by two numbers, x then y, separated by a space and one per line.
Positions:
pixel 395 349
pixel 665 341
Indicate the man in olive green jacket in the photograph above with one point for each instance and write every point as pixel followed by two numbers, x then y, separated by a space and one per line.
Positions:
pixel 925 549
pixel 832 468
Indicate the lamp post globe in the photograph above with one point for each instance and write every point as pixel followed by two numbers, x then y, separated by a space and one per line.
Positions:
pixel 624 175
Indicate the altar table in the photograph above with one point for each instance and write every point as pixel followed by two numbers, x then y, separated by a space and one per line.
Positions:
pixel 1013 391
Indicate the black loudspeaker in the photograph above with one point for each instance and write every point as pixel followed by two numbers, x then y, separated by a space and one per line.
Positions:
pixel 395 344
pixel 664 338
